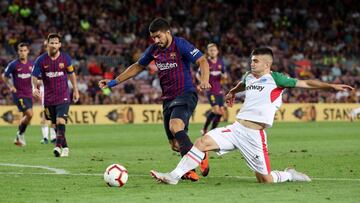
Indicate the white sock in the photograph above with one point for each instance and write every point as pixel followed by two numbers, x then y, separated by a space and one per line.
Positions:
pixel 189 161
pixel 354 113
pixel 52 133
pixel 281 176
pixel 45 131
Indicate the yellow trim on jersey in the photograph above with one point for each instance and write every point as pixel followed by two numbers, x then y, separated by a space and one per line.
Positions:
pixel 70 68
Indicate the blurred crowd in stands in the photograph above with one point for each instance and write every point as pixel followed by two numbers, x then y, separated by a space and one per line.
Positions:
pixel 311 39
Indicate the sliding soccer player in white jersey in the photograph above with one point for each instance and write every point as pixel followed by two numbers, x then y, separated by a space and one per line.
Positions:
pixel 263 89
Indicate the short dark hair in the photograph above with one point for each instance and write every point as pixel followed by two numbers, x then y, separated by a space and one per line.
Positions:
pixel 159 24
pixel 53 35
pixel 262 51
pixel 23 44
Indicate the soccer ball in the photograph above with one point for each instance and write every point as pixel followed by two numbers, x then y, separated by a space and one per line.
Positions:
pixel 116 175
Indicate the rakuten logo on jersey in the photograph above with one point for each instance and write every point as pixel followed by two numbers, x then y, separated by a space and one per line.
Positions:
pixel 255 87
pixel 24 75
pixel 54 74
pixel 165 66
pixel 215 73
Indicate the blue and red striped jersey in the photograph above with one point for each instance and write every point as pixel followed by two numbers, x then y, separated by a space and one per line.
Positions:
pixel 173 64
pixel 216 70
pixel 21 76
pixel 54 74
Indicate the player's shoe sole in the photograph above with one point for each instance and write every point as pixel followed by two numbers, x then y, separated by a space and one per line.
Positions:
pixel 57 151
pixel 204 165
pixel 163 178
pixel 191 175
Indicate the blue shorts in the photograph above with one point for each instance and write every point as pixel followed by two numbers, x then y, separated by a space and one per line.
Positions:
pixel 182 107
pixel 215 99
pixel 57 111
pixel 23 104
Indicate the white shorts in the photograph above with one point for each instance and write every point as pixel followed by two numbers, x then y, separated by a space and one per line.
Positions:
pixel 252 144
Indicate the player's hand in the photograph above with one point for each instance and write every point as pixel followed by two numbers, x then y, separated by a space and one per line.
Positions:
pixel 36 93
pixel 103 83
pixel 204 86
pixel 12 89
pixel 230 99
pixel 76 96
pixel 341 87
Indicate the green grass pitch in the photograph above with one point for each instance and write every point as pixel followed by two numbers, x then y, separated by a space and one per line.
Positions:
pixel 328 152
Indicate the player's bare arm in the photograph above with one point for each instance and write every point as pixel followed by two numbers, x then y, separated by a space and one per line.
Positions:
pixel 230 96
pixel 7 82
pixel 130 72
pixel 205 73
pixel 316 84
pixel 35 89
pixel 73 81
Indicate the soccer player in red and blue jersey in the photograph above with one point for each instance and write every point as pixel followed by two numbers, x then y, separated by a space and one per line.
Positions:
pixel 53 68
pixel 172 56
pixel 215 94
pixel 20 72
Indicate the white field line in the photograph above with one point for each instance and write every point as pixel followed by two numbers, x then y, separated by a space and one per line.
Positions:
pixel 55 170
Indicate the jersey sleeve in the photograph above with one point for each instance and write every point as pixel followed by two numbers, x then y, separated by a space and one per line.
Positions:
pixel 147 57
pixel 36 72
pixel 282 80
pixel 243 80
pixel 189 51
pixel 9 69
pixel 70 67
pixel 222 66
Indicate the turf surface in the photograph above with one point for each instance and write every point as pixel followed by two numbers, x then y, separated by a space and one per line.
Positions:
pixel 327 152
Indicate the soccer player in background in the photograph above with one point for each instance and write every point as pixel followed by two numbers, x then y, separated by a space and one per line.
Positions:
pixel 172 56
pixel 215 94
pixel 354 113
pixel 20 72
pixel 44 123
pixel 53 68
pixel 263 89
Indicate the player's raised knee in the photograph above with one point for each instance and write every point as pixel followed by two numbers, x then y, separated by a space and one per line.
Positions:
pixel 176 125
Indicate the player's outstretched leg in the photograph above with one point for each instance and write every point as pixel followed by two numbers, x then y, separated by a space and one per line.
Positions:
pixel 297 176
pixel 164 177
pixel 288 175
pixel 189 161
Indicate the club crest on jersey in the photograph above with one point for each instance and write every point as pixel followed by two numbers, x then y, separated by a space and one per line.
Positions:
pixel 61 65
pixel 263 80
pixel 173 55
pixel 30 67
pixel 219 66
